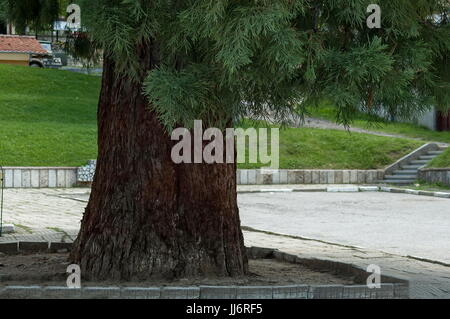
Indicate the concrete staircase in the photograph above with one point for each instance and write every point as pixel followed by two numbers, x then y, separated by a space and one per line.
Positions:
pixel 408 172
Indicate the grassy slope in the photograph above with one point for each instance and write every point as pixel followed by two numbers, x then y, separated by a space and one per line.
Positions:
pixel 405 129
pixel 442 161
pixel 302 148
pixel 48 118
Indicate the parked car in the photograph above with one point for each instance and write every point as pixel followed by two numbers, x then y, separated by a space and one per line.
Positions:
pixel 48 60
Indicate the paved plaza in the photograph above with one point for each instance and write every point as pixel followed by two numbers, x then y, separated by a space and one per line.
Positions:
pixel 390 230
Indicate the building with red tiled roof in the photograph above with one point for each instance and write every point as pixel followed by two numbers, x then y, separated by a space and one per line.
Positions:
pixel 16 49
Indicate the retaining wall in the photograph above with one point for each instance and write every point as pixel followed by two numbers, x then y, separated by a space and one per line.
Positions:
pixel 435 175
pixel 66 177
pixel 297 176
pixel 40 177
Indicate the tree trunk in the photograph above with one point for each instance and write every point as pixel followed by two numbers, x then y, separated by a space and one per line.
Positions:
pixel 148 217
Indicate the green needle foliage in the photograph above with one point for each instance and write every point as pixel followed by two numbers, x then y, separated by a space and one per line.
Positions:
pixel 221 60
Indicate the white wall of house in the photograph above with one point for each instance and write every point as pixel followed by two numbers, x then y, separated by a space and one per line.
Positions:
pixel 428 119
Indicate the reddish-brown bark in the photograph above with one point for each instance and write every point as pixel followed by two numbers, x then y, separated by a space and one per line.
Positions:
pixel 148 217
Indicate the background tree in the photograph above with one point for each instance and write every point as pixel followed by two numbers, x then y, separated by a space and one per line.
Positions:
pixel 38 15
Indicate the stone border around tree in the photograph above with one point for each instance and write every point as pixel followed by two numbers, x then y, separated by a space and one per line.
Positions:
pixel 396 288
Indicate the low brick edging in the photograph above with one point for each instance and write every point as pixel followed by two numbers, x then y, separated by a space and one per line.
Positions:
pixel 386 291
pixel 305 176
pixel 396 288
pixel 40 177
pixel 435 175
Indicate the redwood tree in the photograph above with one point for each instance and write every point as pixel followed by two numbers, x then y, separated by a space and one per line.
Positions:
pixel 169 62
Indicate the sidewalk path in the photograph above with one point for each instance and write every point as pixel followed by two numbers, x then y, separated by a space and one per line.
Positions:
pixel 55 215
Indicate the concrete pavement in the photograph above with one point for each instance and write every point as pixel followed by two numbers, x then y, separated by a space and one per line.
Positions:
pixel 359 228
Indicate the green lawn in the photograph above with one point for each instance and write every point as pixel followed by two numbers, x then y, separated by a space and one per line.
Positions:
pixel 327 112
pixel 48 118
pixel 308 148
pixel 442 161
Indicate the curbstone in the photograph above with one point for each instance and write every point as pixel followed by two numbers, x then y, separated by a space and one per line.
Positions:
pixel 55 292
pixel 9 248
pixel 140 293
pixel 412 192
pixel 385 292
pixel 100 293
pixel 369 188
pixel 290 292
pixel 401 291
pixel 357 292
pixel 21 292
pixel 260 253
pixel 180 293
pixel 29 246
pixel 326 292
pixel 57 247
pixel 254 292
pixel 218 292
pixel 442 194
pixel 346 189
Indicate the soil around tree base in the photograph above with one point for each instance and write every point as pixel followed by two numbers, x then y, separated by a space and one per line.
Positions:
pixel 48 269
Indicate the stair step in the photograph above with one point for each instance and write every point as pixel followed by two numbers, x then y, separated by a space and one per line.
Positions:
pixel 412 177
pixel 406 172
pixel 395 181
pixel 419 162
pixel 435 152
pixel 427 157
pixel 415 167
